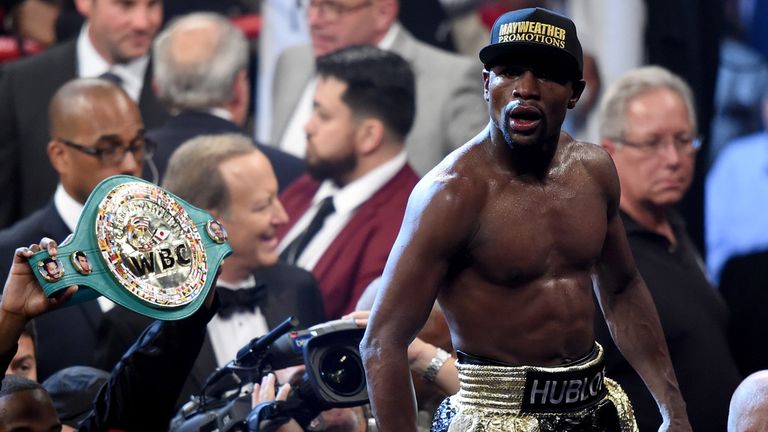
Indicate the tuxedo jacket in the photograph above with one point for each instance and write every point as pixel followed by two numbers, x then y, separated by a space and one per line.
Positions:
pixel 27 179
pixel 66 336
pixel 189 124
pixel 449 97
pixel 291 291
pixel 358 254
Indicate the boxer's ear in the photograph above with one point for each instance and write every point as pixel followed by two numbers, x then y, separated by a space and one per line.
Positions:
pixel 578 89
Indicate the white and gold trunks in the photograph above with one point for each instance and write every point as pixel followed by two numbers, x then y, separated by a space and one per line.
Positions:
pixel 497 398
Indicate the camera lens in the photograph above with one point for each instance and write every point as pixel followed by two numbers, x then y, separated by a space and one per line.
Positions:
pixel 342 370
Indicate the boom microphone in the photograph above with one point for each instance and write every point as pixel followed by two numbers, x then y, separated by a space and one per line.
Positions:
pixel 250 355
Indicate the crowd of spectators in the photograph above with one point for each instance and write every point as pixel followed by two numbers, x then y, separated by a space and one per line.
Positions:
pixel 248 109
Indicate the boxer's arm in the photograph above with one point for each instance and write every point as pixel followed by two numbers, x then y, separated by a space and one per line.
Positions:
pixel 433 229
pixel 420 356
pixel 632 319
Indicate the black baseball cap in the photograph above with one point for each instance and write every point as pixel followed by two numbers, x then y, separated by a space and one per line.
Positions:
pixel 73 391
pixel 538 32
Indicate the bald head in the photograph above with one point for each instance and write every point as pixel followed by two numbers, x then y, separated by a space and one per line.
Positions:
pixel 90 118
pixel 197 60
pixel 194 40
pixel 749 405
pixel 25 405
pixel 79 101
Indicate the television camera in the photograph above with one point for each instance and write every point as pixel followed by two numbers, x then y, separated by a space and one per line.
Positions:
pixel 334 378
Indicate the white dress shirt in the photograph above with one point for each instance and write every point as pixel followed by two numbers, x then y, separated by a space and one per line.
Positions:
pixel 91 64
pixel 230 334
pixel 346 201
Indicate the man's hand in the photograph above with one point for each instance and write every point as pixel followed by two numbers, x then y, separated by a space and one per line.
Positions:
pixel 23 297
pixel 265 392
pixel 360 318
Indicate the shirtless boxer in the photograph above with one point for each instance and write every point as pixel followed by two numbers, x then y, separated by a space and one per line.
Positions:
pixel 508 233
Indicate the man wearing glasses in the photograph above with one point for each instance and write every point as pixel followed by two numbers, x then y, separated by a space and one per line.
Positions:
pixel 114 43
pixel 648 125
pixel 96 132
pixel 449 105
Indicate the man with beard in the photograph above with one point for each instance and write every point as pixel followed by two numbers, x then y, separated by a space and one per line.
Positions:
pixel 508 234
pixel 449 108
pixel 346 212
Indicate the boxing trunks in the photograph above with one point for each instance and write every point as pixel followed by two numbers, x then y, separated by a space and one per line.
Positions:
pixel 494 397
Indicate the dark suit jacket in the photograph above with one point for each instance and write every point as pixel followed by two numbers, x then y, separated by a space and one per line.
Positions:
pixel 358 254
pixel 291 291
pixel 27 179
pixel 67 336
pixel 190 124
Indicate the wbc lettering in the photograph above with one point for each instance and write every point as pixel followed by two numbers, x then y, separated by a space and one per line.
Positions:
pixel 151 245
pixel 160 260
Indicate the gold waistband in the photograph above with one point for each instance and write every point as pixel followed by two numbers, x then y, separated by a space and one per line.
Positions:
pixel 502 387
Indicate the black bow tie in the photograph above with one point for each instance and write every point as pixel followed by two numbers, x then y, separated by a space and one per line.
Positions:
pixel 240 300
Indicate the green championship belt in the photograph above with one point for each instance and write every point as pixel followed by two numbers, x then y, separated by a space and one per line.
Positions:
pixel 141 247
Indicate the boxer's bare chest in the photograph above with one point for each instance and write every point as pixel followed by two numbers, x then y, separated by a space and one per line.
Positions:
pixel 532 229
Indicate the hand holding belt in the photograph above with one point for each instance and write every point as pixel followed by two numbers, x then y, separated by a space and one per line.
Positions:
pixel 140 246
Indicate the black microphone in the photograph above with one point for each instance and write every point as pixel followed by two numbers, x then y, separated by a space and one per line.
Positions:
pixel 251 354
